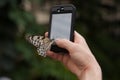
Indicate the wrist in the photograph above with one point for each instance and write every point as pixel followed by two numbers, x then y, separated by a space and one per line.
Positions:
pixel 91 72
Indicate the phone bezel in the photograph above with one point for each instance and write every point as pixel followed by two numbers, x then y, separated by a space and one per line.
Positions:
pixel 68 8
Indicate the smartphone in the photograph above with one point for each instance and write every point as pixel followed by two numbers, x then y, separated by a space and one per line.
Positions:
pixel 62 19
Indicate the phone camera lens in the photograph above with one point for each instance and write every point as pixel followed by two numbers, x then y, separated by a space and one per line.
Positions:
pixel 58 10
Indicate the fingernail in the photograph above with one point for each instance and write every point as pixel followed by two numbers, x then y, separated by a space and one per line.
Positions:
pixel 57 40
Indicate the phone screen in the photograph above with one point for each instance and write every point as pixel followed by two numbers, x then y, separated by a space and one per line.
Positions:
pixel 61 26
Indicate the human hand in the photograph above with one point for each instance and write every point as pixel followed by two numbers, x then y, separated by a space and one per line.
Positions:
pixel 79 60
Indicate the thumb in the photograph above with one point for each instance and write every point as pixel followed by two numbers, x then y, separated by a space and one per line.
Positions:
pixel 64 43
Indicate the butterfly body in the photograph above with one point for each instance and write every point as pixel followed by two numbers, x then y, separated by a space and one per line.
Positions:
pixel 41 43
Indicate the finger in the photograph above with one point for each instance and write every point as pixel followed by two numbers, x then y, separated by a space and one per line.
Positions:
pixel 46 34
pixel 65 59
pixel 55 56
pixel 64 43
pixel 78 38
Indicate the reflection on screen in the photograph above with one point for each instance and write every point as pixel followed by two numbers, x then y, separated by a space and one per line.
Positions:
pixel 60 26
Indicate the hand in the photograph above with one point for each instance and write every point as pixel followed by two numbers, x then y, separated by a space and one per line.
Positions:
pixel 79 60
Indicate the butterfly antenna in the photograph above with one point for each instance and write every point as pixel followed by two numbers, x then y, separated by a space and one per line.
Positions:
pixel 27 36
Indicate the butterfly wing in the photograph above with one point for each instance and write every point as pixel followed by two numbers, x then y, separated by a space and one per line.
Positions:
pixel 35 40
pixel 42 49
pixel 42 44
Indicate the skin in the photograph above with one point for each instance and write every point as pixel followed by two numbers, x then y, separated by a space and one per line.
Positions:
pixel 79 60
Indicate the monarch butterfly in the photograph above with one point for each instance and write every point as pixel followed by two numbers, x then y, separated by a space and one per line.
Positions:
pixel 41 43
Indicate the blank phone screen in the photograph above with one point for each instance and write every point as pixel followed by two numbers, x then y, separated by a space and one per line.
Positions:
pixel 61 26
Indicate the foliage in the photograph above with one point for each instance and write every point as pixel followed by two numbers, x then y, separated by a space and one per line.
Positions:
pixel 17 58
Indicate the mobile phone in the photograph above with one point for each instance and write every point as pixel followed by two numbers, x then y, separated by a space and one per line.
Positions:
pixel 62 19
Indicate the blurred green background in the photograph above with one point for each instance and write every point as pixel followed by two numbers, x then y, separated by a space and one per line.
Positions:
pixel 97 20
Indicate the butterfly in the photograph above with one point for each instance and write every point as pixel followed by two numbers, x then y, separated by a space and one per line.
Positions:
pixel 43 44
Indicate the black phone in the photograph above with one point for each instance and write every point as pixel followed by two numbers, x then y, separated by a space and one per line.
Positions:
pixel 62 19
